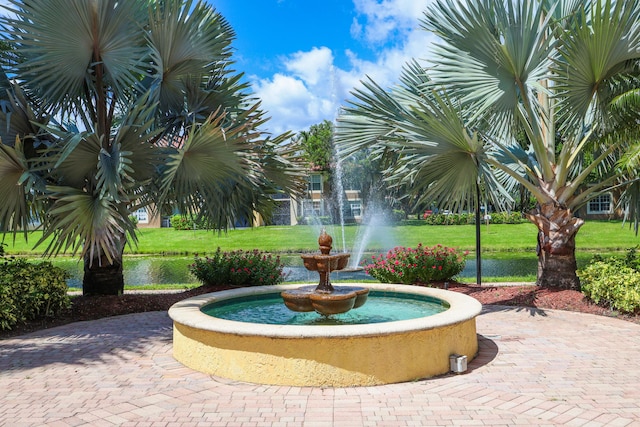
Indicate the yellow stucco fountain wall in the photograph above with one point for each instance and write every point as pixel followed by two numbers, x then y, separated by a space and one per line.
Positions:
pixel 337 356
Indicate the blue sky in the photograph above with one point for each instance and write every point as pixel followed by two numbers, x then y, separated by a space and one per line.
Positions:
pixel 304 57
pixel 271 29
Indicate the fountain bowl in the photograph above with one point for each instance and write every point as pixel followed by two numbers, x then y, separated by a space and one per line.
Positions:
pixel 320 355
pixel 325 262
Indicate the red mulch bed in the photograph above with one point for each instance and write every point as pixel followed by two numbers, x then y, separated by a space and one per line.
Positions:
pixel 537 297
pixel 91 308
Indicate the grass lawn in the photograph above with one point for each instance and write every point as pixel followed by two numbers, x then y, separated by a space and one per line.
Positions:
pixel 498 241
pixel 594 236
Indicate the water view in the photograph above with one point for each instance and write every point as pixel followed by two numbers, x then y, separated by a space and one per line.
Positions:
pixel 380 307
pixel 144 270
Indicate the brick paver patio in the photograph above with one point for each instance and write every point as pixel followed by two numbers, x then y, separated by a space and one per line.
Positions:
pixel 535 368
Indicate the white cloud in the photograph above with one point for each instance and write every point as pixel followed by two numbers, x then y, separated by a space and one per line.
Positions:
pixel 380 21
pixel 294 103
pixel 312 89
pixel 311 66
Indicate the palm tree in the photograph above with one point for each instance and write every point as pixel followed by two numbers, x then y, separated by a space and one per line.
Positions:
pixel 556 72
pixel 109 106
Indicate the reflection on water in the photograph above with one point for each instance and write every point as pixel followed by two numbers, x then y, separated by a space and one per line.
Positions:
pixel 143 270
pixel 138 270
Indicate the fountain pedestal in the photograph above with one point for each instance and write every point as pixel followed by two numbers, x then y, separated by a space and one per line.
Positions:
pixel 324 298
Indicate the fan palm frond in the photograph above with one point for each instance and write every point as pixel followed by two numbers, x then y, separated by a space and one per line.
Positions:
pixel 85 222
pixel 74 45
pixel 188 41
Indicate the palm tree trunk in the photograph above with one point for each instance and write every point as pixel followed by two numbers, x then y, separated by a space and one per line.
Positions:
pixel 102 277
pixel 556 246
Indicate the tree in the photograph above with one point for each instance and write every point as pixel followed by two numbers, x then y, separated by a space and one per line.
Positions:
pixel 563 74
pixel 317 145
pixel 357 171
pixel 110 106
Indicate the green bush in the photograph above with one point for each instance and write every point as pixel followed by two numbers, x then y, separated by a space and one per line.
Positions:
pixel 470 218
pixel 450 219
pixel 183 222
pixel 398 215
pixel 315 220
pixel 238 268
pixel 30 291
pixel 613 281
pixel 420 265
pixel 507 218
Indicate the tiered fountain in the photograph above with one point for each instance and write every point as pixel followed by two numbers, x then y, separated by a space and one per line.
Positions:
pixel 263 342
pixel 324 298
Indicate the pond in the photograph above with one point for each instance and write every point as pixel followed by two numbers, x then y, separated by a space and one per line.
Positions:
pixel 143 270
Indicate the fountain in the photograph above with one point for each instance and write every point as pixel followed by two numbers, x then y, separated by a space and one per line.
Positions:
pixel 383 345
pixel 324 298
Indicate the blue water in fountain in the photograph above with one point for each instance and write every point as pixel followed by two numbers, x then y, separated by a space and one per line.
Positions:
pixel 380 307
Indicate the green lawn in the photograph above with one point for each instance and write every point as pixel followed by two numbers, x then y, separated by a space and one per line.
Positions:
pixel 604 236
pixel 498 241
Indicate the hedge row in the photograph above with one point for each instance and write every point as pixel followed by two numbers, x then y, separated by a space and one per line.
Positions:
pixel 470 218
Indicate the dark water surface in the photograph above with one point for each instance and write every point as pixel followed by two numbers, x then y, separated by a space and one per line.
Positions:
pixel 144 270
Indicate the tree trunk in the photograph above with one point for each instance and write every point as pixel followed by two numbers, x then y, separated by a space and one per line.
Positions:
pixel 102 277
pixel 556 246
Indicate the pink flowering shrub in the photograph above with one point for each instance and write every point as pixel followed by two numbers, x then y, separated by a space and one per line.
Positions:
pixel 238 268
pixel 423 264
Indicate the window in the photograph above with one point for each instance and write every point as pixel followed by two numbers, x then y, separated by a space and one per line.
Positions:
pixel 600 205
pixel 356 209
pixel 142 216
pixel 315 183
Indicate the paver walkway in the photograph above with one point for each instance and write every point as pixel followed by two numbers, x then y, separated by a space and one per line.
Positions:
pixel 535 368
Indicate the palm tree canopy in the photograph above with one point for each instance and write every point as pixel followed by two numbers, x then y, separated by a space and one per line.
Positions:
pixel 111 105
pixel 531 89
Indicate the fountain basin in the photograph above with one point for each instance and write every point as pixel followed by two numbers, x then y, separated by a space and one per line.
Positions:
pixel 337 356
pixel 340 300
pixel 325 262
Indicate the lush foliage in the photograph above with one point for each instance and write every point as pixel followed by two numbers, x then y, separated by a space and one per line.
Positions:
pixel 613 281
pixel 112 106
pixel 238 268
pixel 530 97
pixel 186 222
pixel 398 215
pixel 470 218
pixel 30 291
pixel 317 146
pixel 420 265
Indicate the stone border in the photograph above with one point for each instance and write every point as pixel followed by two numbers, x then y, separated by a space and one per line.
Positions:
pixel 187 312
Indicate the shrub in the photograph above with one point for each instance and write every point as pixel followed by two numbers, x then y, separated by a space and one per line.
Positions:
pixel 315 220
pixel 238 268
pixel 470 218
pixel 183 222
pixel 422 264
pixel 613 281
pixel 507 218
pixel 31 291
pixel 398 215
pixel 450 219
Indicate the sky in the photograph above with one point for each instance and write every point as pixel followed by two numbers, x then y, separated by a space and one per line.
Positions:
pixel 303 58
